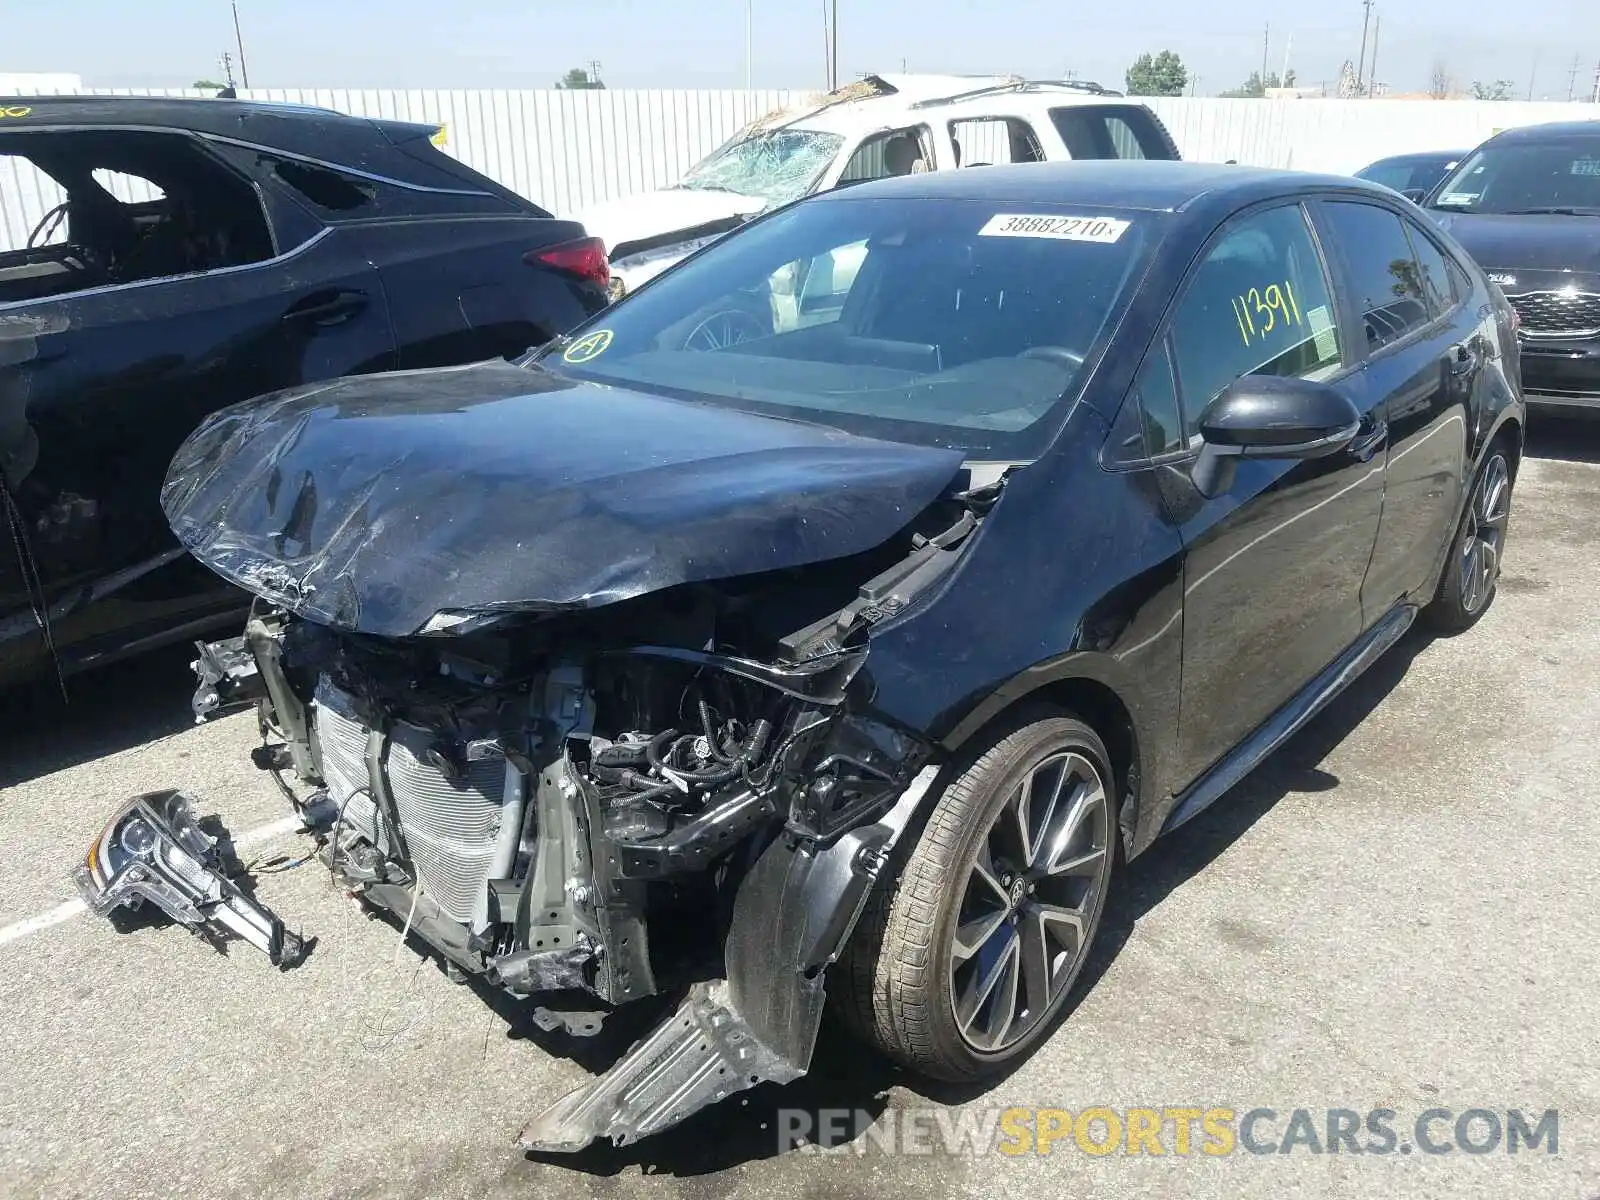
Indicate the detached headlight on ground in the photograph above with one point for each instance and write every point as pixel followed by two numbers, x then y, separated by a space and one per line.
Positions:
pixel 154 849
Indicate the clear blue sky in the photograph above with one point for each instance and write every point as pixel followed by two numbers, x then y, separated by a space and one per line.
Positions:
pixel 528 43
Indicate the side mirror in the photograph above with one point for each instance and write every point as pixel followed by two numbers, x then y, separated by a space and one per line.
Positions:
pixel 1270 416
pixel 1415 195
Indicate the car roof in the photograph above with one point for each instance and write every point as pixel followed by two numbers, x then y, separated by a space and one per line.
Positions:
pixel 1549 129
pixel 1419 156
pixel 883 101
pixel 1152 185
pixel 295 127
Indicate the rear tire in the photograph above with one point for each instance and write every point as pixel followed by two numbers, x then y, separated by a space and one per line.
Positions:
pixel 1473 569
pixel 1004 886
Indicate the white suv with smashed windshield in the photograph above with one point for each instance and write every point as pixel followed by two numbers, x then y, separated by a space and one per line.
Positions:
pixel 882 125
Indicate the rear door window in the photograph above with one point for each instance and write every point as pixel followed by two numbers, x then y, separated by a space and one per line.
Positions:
pixel 1112 131
pixel 1386 280
pixel 985 141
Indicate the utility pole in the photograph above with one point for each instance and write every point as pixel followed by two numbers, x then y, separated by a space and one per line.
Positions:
pixel 835 64
pixel 1572 79
pixel 1266 51
pixel 594 70
pixel 1372 78
pixel 227 68
pixel 827 47
pixel 238 36
pixel 1533 73
pixel 1361 63
pixel 1594 97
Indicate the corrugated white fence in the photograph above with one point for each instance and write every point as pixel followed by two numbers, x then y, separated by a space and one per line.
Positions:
pixel 567 149
pixel 1343 135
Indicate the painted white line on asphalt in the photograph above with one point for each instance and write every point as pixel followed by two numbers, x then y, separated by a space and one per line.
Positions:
pixel 73 908
pixel 265 833
pixel 58 914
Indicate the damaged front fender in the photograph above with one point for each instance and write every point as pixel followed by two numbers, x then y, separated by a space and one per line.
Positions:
pixel 792 917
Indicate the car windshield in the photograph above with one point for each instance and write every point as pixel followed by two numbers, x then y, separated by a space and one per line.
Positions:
pixel 1402 174
pixel 1560 175
pixel 943 322
pixel 777 166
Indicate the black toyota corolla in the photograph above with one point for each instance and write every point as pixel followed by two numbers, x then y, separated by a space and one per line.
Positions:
pixel 824 621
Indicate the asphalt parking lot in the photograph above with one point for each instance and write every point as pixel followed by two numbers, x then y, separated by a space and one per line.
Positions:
pixel 1396 911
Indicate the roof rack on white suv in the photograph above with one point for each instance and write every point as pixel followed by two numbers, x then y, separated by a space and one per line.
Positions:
pixel 1019 85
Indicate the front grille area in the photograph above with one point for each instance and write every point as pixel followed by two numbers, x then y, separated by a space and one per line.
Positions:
pixel 453 828
pixel 1558 314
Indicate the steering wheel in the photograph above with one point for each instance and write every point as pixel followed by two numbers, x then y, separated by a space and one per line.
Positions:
pixel 1059 355
pixel 47 225
pixel 724 328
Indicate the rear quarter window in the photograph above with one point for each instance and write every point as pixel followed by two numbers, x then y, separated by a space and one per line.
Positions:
pixel 1112 131
pixel 336 195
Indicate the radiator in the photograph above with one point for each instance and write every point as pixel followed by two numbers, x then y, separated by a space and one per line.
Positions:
pixel 460 833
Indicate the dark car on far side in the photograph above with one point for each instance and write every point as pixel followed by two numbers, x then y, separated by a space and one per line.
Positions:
pixel 838 658
pixel 1412 175
pixel 195 253
pixel 1526 205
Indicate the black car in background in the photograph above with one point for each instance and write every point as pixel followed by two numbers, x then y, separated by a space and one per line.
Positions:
pixel 840 657
pixel 1412 175
pixel 1526 205
pixel 206 251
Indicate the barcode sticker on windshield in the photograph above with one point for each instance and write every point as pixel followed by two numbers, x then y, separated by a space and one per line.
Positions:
pixel 1064 229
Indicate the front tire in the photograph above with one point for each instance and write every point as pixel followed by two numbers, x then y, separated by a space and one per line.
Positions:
pixel 1473 570
pixel 962 960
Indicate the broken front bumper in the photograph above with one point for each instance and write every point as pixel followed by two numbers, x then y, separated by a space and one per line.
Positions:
pixel 154 849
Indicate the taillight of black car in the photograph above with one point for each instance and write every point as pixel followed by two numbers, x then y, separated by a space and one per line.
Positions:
pixel 584 258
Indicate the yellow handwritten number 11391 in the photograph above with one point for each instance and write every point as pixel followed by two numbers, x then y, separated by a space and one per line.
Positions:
pixel 1261 310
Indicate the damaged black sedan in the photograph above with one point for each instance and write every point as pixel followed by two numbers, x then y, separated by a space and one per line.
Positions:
pixel 821 624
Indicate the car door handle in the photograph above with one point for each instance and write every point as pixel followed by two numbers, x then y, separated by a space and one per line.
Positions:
pixel 1463 358
pixel 1370 441
pixel 327 308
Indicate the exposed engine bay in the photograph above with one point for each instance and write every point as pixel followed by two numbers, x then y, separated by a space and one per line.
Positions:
pixel 684 790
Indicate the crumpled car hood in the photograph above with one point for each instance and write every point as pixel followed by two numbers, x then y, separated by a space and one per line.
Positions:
pixel 652 214
pixel 1532 243
pixel 373 504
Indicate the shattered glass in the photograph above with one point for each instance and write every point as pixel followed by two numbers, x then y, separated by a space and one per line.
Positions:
pixel 776 166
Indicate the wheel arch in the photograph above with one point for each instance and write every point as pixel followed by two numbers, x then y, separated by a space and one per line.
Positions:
pixel 1091 698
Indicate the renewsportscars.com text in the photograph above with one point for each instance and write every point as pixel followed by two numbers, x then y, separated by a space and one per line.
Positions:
pixel 1212 1132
